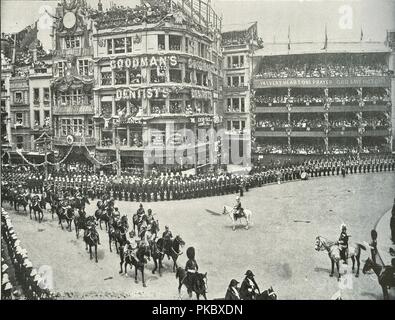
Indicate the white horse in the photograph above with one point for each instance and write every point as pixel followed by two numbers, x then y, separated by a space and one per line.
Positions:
pixel 231 212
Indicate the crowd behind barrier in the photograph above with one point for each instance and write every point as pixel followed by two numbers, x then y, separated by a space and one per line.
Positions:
pixel 33 286
pixel 305 100
pixel 316 70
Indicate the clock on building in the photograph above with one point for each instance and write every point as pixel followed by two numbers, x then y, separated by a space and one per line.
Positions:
pixel 69 20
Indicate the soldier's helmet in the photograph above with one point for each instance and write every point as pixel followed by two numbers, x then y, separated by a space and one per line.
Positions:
pixel 191 253
pixel 343 227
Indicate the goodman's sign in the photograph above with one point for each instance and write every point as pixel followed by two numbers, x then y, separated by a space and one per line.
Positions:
pixel 323 82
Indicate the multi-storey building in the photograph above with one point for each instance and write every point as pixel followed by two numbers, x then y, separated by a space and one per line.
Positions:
pixel 72 84
pixel 238 46
pixel 331 100
pixel 390 42
pixel 6 73
pixel 158 76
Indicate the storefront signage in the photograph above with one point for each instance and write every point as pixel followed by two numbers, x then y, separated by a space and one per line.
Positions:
pixel 201 94
pixel 200 65
pixel 323 82
pixel 204 121
pixel 146 93
pixel 141 62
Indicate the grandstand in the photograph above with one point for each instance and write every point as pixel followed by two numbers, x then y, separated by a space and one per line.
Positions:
pixel 314 100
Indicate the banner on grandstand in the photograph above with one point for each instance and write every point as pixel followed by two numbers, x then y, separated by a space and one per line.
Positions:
pixel 323 82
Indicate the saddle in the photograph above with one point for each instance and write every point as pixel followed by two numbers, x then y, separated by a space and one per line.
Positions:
pixel 239 214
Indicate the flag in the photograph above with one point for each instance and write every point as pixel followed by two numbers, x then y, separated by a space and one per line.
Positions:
pixel 326 39
pixel 289 37
pixel 27 36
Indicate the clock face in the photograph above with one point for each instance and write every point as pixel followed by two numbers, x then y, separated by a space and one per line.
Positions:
pixel 69 20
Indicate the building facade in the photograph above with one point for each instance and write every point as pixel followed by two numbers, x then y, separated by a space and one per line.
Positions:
pixel 158 79
pixel 238 51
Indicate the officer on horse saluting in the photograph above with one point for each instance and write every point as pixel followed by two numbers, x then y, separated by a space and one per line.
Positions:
pixel 249 288
pixel 343 243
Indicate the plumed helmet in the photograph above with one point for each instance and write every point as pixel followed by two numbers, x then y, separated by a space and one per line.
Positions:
pixel 233 282
pixel 343 227
pixel 249 273
pixel 191 253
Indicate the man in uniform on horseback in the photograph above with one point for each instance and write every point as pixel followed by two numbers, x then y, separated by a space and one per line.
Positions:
pixel 191 267
pixel 239 210
pixel 167 236
pixel 249 288
pixel 343 243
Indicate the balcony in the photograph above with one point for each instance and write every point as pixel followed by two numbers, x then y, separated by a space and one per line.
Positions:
pixel 79 52
pixel 62 141
pixel 239 88
pixel 74 110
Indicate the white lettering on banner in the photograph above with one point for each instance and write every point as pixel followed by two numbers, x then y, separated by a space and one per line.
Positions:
pixel 153 61
pixel 149 93
pixel 200 94
pixel 200 65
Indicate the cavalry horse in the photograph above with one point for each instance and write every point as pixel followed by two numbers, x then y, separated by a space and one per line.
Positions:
pixel 91 238
pixel 65 213
pixel 102 214
pixel 247 214
pixel 196 284
pixel 385 275
pixel 36 208
pixel 157 256
pixel 172 249
pixel 117 234
pixel 138 261
pixel 81 222
pixel 354 252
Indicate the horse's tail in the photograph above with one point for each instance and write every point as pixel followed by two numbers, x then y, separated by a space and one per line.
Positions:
pixel 361 246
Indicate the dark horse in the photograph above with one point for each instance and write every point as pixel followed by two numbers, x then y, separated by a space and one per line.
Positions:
pixel 91 238
pixel 138 261
pixel 117 234
pixel 36 207
pixel 195 284
pixel 157 256
pixel 385 275
pixel 102 215
pixel 65 214
pixel 81 222
pixel 268 294
pixel 173 249
pixel 20 200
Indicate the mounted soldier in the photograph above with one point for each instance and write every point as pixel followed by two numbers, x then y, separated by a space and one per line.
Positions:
pixel 343 243
pixel 239 210
pixel 167 236
pixel 191 267
pixel 249 288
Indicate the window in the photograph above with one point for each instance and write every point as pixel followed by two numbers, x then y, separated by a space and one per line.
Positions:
pixel 36 96
pixel 158 75
pixel 36 118
pixel 120 77
pixel 66 127
pixel 83 67
pixel 61 68
pixel 188 76
pixel 229 62
pixel 106 78
pixel 18 97
pixel 128 44
pixel 109 46
pixel 78 127
pixel 90 127
pixel 119 45
pixel 236 124
pixel 175 75
pixel 46 95
pixel 158 106
pixel 19 142
pixel 175 43
pixel 72 42
pixel 229 81
pixel 47 118
pixel 187 44
pixel 242 105
pixel 161 42
pixel 134 75
pixel 74 97
pixel 106 109
pixel 19 118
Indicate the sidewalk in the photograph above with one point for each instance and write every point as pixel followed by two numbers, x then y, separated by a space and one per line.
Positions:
pixel 384 242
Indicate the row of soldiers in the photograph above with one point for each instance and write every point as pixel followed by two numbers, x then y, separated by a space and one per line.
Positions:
pixel 27 277
pixel 177 186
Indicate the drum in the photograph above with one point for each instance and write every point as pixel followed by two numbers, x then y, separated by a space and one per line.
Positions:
pixel 304 176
